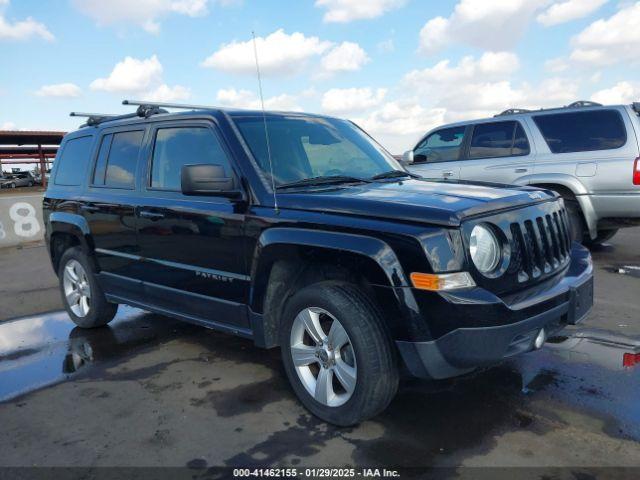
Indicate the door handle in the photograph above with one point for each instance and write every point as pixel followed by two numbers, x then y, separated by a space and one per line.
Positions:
pixel 447 174
pixel 89 208
pixel 151 215
pixel 521 170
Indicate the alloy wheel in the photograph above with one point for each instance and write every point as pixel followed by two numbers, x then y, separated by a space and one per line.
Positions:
pixel 77 290
pixel 323 356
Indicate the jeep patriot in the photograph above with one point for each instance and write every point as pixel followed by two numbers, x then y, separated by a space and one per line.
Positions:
pixel 301 232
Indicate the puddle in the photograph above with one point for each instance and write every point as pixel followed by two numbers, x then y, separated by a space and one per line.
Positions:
pixel 44 349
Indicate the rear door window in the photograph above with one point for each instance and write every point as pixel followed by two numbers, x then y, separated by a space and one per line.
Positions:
pixel 498 139
pixel 117 159
pixel 442 146
pixel 582 131
pixel 73 161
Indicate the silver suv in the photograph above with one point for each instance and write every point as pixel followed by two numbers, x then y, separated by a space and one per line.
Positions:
pixel 587 152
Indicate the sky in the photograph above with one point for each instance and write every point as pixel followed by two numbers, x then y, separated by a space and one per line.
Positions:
pixel 396 67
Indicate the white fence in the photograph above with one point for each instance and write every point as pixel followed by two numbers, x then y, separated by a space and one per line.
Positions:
pixel 20 219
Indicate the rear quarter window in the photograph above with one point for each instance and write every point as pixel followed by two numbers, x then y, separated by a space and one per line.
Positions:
pixel 73 161
pixel 582 131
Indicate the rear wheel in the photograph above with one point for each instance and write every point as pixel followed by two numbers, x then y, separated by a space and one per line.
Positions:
pixel 337 354
pixel 82 296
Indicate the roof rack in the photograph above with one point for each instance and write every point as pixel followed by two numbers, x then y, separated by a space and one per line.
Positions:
pixel 180 106
pixel 583 103
pixel 512 111
pixel 578 104
pixel 144 110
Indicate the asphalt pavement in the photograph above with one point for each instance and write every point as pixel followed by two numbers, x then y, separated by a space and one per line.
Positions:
pixel 149 390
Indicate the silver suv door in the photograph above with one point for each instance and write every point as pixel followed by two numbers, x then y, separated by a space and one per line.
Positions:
pixel 438 154
pixel 498 152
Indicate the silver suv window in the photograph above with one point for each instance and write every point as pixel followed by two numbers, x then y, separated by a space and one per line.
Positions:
pixel 442 146
pixel 498 139
pixel 582 131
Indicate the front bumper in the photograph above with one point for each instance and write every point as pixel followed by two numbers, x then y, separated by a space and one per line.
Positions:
pixel 551 305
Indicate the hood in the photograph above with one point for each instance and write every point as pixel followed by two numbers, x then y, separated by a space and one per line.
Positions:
pixel 415 200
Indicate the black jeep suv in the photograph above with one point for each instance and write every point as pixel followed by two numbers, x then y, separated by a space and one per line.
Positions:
pixel 300 231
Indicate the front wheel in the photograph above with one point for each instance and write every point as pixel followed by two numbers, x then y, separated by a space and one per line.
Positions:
pixel 82 296
pixel 337 354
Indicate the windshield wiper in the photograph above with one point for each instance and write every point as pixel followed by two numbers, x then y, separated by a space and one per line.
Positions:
pixel 322 180
pixel 394 174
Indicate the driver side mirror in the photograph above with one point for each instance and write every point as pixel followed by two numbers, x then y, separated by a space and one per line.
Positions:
pixel 208 179
pixel 407 158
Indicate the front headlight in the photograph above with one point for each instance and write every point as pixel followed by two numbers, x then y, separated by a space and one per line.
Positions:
pixel 485 249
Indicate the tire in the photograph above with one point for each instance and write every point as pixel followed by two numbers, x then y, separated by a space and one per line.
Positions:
pixel 369 353
pixel 12 185
pixel 30 184
pixel 93 311
pixel 577 226
pixel 603 236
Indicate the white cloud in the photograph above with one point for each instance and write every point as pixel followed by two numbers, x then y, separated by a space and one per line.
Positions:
pixel 131 75
pixel 568 10
pixel 343 11
pixel 350 100
pixel 279 53
pixel 165 93
pixel 346 57
pixel 60 90
pixel 556 65
pixel 144 13
pixel 248 99
pixel 621 92
pixel 491 65
pixel 610 41
pixel 143 77
pixel 8 126
pixel 398 124
pixel 495 25
pixel 22 29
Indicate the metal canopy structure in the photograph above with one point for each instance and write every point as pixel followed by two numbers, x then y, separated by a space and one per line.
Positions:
pixel 29 147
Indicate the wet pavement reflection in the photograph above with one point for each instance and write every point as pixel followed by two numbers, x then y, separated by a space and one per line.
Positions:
pixel 591 371
pixel 44 349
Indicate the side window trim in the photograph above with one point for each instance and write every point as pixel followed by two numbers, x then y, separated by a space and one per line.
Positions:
pixel 210 125
pixel 113 131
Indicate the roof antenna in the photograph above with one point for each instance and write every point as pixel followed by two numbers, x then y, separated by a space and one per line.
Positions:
pixel 264 118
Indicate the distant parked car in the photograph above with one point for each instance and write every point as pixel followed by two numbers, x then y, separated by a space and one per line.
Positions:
pixel 38 177
pixel 22 179
pixel 586 152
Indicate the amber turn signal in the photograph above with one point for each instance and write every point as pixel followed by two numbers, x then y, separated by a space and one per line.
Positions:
pixel 442 281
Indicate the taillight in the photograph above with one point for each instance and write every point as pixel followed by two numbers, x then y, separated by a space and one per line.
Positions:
pixel 636 172
pixel 630 359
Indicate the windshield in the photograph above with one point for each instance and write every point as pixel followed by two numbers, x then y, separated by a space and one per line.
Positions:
pixel 309 147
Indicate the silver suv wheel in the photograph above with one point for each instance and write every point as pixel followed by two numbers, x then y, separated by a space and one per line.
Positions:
pixel 324 362
pixel 77 291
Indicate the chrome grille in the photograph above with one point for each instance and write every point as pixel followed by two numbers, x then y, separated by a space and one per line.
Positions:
pixel 540 245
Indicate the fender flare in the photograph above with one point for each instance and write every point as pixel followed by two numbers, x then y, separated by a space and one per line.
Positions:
pixel 74 224
pixel 581 193
pixel 372 248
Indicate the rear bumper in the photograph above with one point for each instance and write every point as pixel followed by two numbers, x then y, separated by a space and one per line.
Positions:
pixel 617 206
pixel 464 349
